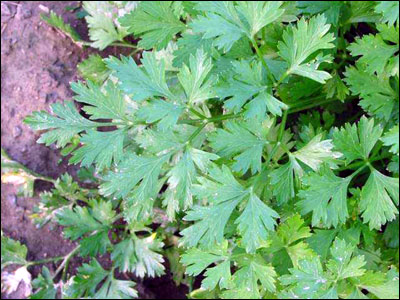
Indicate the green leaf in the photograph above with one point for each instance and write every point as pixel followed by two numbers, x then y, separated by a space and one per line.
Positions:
pixel 163 112
pixel 300 42
pixel 357 141
pixel 306 280
pixel 155 22
pixel 87 279
pixel 369 47
pixel 141 82
pixel 96 222
pixel 210 221
pixel 196 261
pixel 12 252
pixel 99 148
pixel 288 241
pixel 243 141
pixel 314 154
pixel 117 289
pixel 123 255
pixel 321 241
pixel 384 286
pixel 253 270
pixel 57 21
pixel 149 260
pixel 331 10
pixel 44 285
pixel 325 197
pixel 391 139
pixel 181 177
pixel 317 152
pixel 389 10
pixel 248 85
pixel 378 97
pixel 66 123
pixel 227 22
pixel 131 171
pixel 94 69
pixel 379 198
pixel 282 181
pixel 91 275
pixel 335 87
pixel 104 103
pixel 195 80
pixel 343 263
pixel 255 222
pixel 188 45
pixel 100 19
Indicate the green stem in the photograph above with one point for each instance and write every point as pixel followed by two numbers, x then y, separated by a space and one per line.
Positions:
pixel 260 56
pixel 18 166
pixel 201 116
pixel 282 126
pixel 312 105
pixel 361 168
pixel 64 264
pixel 363 163
pixel 125 44
pixel 283 77
pixel 44 261
pixel 280 136
pixel 196 133
pixel 223 117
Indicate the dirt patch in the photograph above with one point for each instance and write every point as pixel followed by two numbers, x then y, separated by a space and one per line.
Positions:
pixel 37 65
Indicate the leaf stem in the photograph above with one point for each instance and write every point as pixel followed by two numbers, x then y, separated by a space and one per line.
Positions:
pixel 18 166
pixel 201 116
pixel 44 261
pixel 125 44
pixel 280 136
pixel 283 77
pixel 295 109
pixel 260 56
pixel 196 133
pixel 223 117
pixel 65 262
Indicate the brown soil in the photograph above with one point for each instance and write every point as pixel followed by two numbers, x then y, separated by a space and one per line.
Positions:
pixel 37 64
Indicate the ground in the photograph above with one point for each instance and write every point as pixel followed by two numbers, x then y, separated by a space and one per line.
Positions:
pixel 37 64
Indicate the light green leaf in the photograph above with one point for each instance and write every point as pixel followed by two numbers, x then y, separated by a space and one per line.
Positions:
pixel 210 221
pixel 357 141
pixel 12 252
pixel 255 222
pixel 248 85
pixel 94 69
pixel 131 171
pixel 142 82
pixel 391 139
pixel 163 112
pixel 301 41
pixel 181 177
pixel 99 148
pixel 389 10
pixel 343 263
pixel 101 18
pixel 106 103
pixel 226 22
pixel 243 142
pixel 379 198
pixel 155 22
pixel 369 47
pixel 325 197
pixel 378 97
pixel 65 124
pixel 195 80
